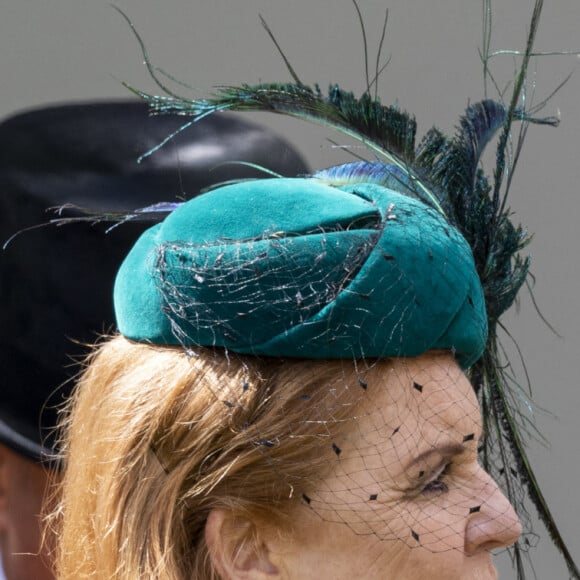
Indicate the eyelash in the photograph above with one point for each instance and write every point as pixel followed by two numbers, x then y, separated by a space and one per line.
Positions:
pixel 438 485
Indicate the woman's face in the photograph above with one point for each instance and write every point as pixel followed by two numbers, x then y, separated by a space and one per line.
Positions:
pixel 406 498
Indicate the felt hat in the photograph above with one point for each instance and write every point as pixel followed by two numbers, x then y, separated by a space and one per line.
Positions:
pixel 56 282
pixel 296 267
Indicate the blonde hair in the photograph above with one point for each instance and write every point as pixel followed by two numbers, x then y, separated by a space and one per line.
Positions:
pixel 156 438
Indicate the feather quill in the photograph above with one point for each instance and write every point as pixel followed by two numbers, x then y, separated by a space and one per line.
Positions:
pixel 447 173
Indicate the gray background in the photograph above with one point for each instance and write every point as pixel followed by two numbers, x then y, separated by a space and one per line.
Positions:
pixel 55 50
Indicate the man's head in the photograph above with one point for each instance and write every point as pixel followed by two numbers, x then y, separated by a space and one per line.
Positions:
pixel 56 282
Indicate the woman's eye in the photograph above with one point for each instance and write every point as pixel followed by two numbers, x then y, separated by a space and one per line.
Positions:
pixel 438 484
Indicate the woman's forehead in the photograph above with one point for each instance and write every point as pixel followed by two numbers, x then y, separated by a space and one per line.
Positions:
pixel 414 417
pixel 423 396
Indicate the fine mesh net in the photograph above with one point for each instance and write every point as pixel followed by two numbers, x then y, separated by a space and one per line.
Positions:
pixel 339 291
pixel 392 443
pixel 385 449
pixel 264 279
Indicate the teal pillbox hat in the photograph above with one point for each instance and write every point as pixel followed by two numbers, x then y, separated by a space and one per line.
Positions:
pixel 294 267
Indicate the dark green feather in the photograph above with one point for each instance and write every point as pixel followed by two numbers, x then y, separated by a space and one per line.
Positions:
pixel 446 172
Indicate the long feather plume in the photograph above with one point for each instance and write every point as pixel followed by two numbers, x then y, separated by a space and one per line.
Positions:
pixel 446 172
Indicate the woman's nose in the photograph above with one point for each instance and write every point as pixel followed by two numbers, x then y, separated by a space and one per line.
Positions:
pixel 495 524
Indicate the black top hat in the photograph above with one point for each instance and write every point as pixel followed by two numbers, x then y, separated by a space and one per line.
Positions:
pixel 56 282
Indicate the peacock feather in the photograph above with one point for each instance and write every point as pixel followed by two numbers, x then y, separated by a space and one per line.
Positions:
pixel 447 173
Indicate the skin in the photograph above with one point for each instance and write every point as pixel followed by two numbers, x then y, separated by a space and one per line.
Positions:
pixel 406 498
pixel 22 489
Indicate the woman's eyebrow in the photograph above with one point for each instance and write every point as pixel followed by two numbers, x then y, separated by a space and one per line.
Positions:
pixel 444 451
